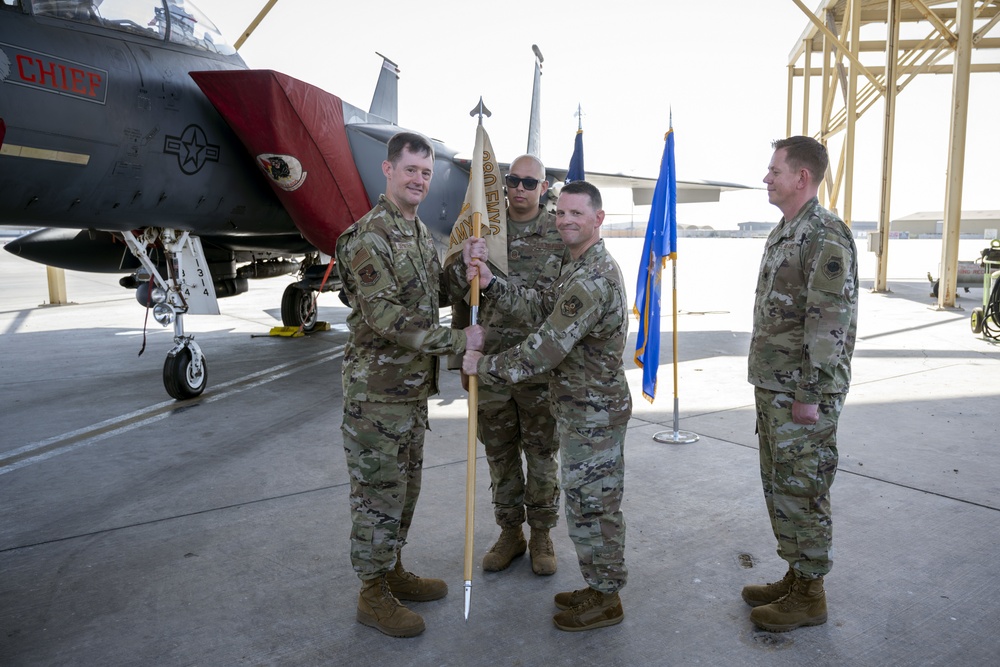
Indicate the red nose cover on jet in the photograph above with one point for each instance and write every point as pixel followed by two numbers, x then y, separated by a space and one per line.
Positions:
pixel 295 132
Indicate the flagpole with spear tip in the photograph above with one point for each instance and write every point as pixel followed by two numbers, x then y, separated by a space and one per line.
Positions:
pixel 470 474
pixel 677 437
pixel 661 242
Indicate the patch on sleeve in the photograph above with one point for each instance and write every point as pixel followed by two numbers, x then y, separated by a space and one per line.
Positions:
pixel 571 307
pixel 832 270
pixel 367 275
pixel 360 258
pixel 370 271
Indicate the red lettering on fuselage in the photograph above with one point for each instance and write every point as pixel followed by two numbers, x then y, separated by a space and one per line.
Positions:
pixel 57 76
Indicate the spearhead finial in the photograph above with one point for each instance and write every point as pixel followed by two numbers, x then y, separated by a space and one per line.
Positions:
pixel 480 110
pixel 538 53
pixel 468 598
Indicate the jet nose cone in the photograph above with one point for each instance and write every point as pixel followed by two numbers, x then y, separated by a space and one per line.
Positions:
pixel 14 247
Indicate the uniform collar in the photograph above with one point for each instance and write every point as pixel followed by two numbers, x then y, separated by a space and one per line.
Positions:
pixel 786 227
pixel 402 224
pixel 526 228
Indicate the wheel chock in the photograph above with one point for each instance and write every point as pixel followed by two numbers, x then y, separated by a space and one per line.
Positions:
pixel 288 332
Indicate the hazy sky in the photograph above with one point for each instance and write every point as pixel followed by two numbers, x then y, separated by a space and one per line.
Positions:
pixel 720 65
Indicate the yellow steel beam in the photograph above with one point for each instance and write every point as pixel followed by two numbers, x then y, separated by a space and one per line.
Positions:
pixel 806 80
pixel 838 44
pixel 933 19
pixel 888 139
pixel 948 281
pixel 852 111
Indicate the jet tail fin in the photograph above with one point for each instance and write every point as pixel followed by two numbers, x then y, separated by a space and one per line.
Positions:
pixel 535 121
pixel 385 102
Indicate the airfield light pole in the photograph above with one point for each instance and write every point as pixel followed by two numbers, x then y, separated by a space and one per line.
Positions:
pixel 253 24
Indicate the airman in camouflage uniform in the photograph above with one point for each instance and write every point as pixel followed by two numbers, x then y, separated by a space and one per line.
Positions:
pixel 392 281
pixel 805 319
pixel 583 322
pixel 517 419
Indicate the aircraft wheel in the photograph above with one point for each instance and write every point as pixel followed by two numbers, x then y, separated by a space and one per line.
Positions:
pixel 182 378
pixel 977 320
pixel 297 308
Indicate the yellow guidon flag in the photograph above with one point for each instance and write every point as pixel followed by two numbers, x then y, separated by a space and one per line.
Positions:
pixel 485 196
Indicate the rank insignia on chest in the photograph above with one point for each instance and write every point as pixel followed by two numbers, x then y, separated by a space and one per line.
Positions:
pixel 368 275
pixel 515 255
pixel 571 307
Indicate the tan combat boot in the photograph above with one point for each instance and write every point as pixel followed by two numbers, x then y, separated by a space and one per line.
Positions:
pixel 593 610
pixel 805 604
pixel 408 586
pixel 571 598
pixel 757 595
pixel 509 546
pixel 378 609
pixel 543 555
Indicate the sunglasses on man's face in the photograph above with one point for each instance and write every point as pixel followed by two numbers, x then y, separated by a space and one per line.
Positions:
pixel 514 181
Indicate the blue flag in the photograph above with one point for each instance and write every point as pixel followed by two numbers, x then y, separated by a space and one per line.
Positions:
pixel 661 243
pixel 575 172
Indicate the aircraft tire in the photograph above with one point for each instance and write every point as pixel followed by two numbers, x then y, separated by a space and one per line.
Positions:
pixel 181 379
pixel 296 308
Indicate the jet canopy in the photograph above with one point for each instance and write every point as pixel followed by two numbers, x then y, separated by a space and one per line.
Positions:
pixel 176 21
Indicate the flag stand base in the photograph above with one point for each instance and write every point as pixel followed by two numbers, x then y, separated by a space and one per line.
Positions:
pixel 676 437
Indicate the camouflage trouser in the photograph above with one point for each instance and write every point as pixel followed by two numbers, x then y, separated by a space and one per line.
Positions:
pixel 797 466
pixel 384 443
pixel 510 425
pixel 593 478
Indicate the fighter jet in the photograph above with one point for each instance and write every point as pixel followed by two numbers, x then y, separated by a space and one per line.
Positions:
pixel 140 143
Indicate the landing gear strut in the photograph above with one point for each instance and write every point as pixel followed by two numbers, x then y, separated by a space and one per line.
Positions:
pixel 188 288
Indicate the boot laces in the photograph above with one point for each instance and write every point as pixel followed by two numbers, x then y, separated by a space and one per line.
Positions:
pixel 507 539
pixel 541 545
pixel 387 599
pixel 591 599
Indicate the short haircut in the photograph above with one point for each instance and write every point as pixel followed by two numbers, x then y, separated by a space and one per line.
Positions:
pixel 411 141
pixel 805 152
pixel 534 158
pixel 584 188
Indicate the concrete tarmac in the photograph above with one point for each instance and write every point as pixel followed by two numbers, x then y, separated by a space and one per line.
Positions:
pixel 137 530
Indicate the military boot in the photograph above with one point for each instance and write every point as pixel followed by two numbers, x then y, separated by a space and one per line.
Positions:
pixel 805 604
pixel 757 595
pixel 593 610
pixel 408 586
pixel 572 598
pixel 377 608
pixel 509 546
pixel 543 555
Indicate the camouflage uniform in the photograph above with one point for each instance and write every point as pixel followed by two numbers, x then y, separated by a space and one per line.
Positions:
pixel 581 343
pixel 518 419
pixel 805 319
pixel 392 280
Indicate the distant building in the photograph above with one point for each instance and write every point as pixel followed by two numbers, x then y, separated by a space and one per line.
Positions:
pixel 756 228
pixel 930 224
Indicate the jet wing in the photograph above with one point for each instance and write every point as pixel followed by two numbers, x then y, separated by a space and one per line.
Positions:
pixel 295 132
pixel 688 192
